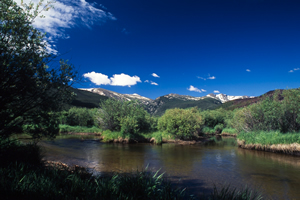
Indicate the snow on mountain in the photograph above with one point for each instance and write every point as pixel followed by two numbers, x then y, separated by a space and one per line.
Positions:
pixel 224 97
pixel 118 96
pixel 128 97
pixel 181 97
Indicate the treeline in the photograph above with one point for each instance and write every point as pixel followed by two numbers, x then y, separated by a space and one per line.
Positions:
pixel 280 112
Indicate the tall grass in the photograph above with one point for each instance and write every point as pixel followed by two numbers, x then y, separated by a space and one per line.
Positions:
pixel 78 129
pixel 18 181
pixel 230 131
pixel 269 138
pixel 227 192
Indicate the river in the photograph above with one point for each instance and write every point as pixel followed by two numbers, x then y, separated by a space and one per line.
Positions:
pixel 196 167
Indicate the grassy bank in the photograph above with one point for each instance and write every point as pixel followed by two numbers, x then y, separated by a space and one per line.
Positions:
pixel 272 141
pixel 154 137
pixel 67 129
pixel 23 178
pixel 229 132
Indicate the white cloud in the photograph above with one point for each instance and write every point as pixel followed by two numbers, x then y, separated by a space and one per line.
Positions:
pixel 124 80
pixel 116 80
pixel 67 14
pixel 216 91
pixel 248 70
pixel 211 77
pixel 203 90
pixel 293 70
pixel 153 83
pixel 208 77
pixel 194 89
pixel 155 75
pixel 201 78
pixel 146 81
pixel 97 78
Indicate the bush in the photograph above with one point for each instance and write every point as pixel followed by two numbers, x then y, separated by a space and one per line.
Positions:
pixel 213 117
pixel 218 128
pixel 124 116
pixel 79 117
pixel 183 124
pixel 208 130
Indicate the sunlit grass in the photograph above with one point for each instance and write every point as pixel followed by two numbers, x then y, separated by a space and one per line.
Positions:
pixel 269 138
pixel 229 131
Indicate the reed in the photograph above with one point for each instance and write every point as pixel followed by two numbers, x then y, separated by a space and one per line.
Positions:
pixel 18 181
pixel 227 192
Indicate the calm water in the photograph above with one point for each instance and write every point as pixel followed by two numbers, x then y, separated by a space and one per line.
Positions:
pixel 196 167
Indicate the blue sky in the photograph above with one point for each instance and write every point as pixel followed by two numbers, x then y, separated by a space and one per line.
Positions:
pixel 192 47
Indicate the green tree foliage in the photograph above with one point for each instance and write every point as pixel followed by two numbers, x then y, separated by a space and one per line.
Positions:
pixel 183 124
pixel 124 116
pixel 29 89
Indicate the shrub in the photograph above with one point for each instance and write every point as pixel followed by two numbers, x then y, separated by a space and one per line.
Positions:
pixel 124 116
pixel 218 128
pixel 79 117
pixel 183 124
pixel 213 117
pixel 208 130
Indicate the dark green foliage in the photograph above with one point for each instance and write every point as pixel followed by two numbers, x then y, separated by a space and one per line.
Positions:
pixel 183 124
pixel 80 117
pixel 204 104
pixel 29 89
pixel 12 151
pixel 125 116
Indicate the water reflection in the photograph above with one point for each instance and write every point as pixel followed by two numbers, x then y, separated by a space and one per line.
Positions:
pixel 195 166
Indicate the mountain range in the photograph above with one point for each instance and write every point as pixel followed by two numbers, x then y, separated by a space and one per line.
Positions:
pixel 154 106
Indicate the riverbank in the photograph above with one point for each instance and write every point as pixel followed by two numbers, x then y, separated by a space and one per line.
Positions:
pixel 274 141
pixel 21 178
pixel 291 149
